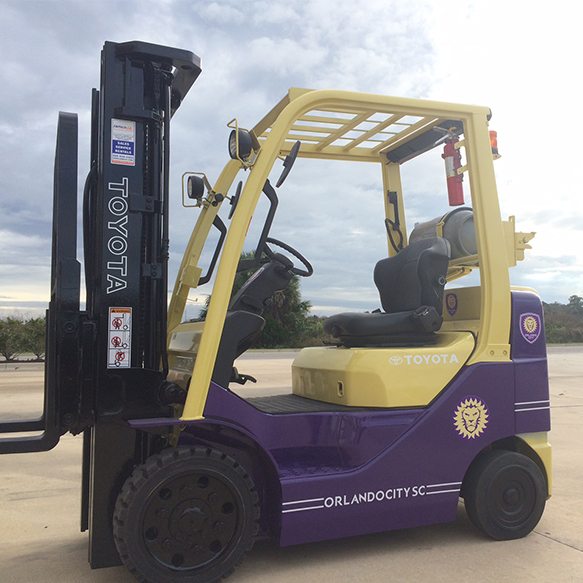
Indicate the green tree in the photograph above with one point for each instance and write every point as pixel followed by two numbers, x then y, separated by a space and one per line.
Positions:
pixel 287 316
pixel 576 303
pixel 564 322
pixel 34 337
pixel 12 338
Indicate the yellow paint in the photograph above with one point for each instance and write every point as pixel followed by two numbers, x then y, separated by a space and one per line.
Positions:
pixel 468 303
pixel 494 335
pixel 381 377
pixel 467 314
pixel 392 183
pixel 539 442
pixel 516 242
pixel 215 319
pixel 186 337
pixel 182 352
pixel 276 134
pixel 189 272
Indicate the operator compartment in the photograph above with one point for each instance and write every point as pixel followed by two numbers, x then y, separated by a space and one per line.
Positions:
pixel 381 377
pixel 399 356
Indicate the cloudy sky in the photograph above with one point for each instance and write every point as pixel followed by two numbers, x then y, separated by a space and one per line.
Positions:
pixel 519 58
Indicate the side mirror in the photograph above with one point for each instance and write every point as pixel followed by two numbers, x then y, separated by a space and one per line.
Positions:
pixel 194 187
pixel 235 199
pixel 288 163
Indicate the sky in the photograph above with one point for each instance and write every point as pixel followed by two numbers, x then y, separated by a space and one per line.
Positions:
pixel 518 58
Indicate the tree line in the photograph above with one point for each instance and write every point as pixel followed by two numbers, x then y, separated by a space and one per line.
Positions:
pixel 288 324
pixel 20 336
pixel 564 322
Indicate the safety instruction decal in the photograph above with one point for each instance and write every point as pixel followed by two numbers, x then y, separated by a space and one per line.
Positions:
pixel 119 350
pixel 123 142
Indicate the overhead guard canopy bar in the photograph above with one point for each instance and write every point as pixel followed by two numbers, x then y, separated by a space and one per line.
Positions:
pixel 340 129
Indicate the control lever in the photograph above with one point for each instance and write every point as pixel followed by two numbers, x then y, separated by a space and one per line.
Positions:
pixel 241 379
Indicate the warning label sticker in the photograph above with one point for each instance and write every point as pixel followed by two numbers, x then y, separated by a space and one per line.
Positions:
pixel 123 142
pixel 119 349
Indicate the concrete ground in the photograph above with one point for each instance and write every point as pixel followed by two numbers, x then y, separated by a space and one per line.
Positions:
pixel 40 498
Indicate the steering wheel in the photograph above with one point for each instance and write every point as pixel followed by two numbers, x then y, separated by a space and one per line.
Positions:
pixel 295 270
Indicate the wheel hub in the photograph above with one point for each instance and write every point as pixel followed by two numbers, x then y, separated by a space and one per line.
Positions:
pixel 511 496
pixel 515 499
pixel 190 520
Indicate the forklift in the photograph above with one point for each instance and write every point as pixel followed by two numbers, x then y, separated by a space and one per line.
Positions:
pixel 441 394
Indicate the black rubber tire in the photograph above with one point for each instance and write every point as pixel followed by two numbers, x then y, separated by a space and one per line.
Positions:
pixel 182 472
pixel 505 494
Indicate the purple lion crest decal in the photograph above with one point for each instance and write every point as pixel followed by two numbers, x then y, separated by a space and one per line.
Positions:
pixel 530 327
pixel 451 303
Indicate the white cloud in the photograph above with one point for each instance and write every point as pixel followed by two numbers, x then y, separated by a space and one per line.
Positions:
pixel 220 13
pixel 514 57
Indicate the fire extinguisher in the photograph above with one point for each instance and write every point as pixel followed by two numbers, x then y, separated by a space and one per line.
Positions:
pixel 453 161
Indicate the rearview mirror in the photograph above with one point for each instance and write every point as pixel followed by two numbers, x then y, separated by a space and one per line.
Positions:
pixel 288 163
pixel 194 187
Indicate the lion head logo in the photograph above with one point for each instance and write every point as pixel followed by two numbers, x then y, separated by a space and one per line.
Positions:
pixel 471 418
pixel 530 327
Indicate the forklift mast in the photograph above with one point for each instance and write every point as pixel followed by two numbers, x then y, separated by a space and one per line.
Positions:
pixel 108 363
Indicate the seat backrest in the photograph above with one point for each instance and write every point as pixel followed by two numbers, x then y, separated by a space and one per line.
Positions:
pixel 414 277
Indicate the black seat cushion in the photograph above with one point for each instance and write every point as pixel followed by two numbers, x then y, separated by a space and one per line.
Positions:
pixel 380 329
pixel 410 285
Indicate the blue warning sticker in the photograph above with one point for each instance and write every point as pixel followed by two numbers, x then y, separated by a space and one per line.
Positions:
pixel 123 142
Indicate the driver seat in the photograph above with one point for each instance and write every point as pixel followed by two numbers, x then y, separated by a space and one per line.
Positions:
pixel 410 286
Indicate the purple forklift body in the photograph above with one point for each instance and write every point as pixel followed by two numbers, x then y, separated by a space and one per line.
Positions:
pixel 349 473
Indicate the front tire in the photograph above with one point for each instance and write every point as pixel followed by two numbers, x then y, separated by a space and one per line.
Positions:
pixel 505 494
pixel 188 515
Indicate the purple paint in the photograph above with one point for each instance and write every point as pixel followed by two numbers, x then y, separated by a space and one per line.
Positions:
pixel 531 401
pixel 331 464
pixel 304 443
pixel 348 473
pixel 526 303
pixel 429 454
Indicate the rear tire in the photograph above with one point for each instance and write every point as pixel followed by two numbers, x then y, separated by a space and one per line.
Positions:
pixel 188 515
pixel 505 494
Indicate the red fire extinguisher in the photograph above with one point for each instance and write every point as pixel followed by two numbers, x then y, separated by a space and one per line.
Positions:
pixel 453 161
